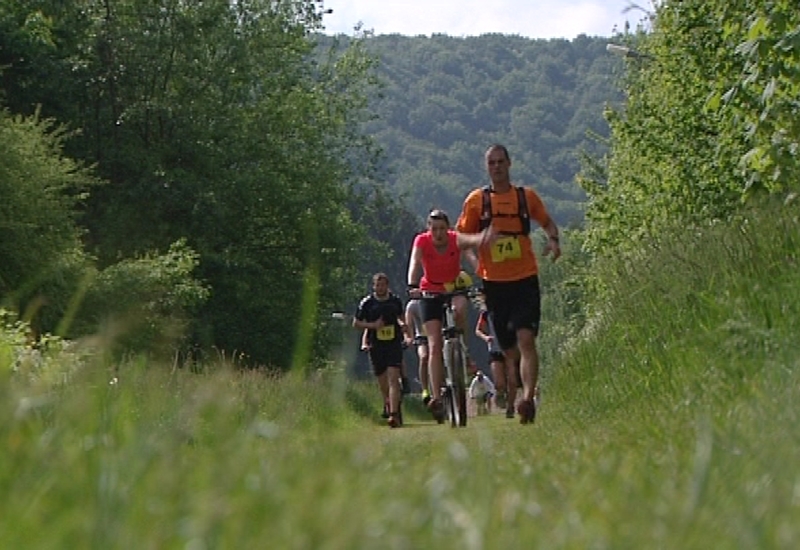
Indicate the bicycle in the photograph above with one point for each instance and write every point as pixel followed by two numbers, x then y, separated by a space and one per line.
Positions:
pixel 454 355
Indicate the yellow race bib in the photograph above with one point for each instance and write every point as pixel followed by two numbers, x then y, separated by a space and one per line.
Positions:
pixel 506 248
pixel 386 333
pixel 464 280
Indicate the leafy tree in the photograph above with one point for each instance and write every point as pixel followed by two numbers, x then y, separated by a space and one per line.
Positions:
pixel 672 157
pixel 762 41
pixel 142 305
pixel 218 122
pixel 710 118
pixel 39 190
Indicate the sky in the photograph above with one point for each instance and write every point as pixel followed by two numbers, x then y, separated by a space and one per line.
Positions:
pixel 529 18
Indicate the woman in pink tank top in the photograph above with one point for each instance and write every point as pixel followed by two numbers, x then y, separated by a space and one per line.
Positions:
pixel 436 254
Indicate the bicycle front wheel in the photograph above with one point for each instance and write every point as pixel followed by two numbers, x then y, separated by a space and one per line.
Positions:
pixel 456 384
pixel 460 384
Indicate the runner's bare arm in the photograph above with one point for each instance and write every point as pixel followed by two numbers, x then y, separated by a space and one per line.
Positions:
pixel 477 240
pixel 365 339
pixel 374 325
pixel 414 266
pixel 553 245
pixel 410 318
pixel 471 258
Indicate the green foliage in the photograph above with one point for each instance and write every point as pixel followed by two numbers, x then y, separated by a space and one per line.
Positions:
pixel 443 100
pixel 710 118
pixel 765 37
pixel 141 305
pixel 392 228
pixel 565 294
pixel 42 363
pixel 45 274
pixel 39 189
pixel 41 257
pixel 14 335
pixel 219 123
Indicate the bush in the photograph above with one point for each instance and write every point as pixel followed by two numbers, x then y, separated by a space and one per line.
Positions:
pixel 142 305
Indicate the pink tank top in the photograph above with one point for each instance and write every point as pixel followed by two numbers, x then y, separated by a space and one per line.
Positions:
pixel 438 268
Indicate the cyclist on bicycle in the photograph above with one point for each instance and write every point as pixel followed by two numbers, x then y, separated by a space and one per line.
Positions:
pixel 381 313
pixel 437 253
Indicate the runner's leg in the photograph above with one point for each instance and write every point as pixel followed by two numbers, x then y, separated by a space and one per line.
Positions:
pixel 393 380
pixel 511 367
pixel 424 378
pixel 435 357
pixel 498 367
pixel 529 362
pixel 383 385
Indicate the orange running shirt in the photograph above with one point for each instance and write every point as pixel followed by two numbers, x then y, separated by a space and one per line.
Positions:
pixel 511 257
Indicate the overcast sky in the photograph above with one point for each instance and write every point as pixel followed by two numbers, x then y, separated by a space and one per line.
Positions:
pixel 530 18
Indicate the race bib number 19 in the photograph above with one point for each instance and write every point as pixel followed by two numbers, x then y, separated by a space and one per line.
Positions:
pixel 506 248
pixel 386 333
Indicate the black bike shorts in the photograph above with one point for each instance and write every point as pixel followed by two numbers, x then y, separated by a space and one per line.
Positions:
pixel 514 305
pixel 431 308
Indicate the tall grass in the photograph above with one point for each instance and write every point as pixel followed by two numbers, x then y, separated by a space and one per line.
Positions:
pixel 673 424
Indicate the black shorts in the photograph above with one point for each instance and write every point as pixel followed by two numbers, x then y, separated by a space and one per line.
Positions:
pixel 514 305
pixel 383 356
pixel 496 356
pixel 431 308
pixel 420 341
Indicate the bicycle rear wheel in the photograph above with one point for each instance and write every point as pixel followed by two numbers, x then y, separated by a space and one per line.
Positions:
pixel 450 408
pixel 449 405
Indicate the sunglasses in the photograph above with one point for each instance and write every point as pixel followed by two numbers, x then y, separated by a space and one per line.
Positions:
pixel 439 215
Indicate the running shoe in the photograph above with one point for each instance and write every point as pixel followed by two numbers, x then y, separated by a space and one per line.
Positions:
pixel 426 397
pixel 527 412
pixel 385 413
pixel 437 409
pixel 510 412
pixel 395 421
pixel 500 400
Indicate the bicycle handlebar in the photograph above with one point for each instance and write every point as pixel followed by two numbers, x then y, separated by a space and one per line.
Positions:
pixel 470 292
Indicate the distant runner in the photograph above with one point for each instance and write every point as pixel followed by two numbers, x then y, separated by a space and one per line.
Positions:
pixel 381 313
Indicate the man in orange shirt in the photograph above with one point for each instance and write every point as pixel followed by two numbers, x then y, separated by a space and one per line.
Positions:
pixel 496 219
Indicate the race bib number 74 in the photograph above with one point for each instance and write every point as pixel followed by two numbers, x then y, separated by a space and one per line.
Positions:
pixel 506 248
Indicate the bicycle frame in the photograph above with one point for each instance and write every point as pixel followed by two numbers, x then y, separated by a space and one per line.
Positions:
pixel 454 394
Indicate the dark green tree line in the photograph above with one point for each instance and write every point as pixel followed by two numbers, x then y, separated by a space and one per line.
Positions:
pixel 217 123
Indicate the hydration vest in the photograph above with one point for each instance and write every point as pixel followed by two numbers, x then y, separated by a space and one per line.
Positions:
pixel 522 203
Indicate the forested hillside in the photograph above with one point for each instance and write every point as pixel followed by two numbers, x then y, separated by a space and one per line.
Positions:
pixel 445 99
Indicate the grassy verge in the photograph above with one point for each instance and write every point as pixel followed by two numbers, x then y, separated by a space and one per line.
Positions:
pixel 674 424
